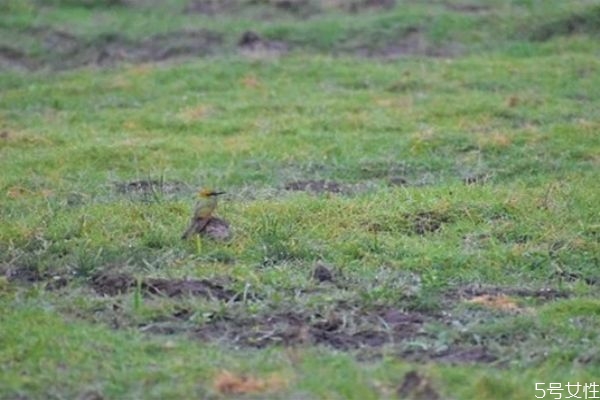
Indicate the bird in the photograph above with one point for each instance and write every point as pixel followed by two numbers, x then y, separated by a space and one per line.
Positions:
pixel 205 206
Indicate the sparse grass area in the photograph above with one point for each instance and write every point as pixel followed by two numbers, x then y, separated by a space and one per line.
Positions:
pixel 409 189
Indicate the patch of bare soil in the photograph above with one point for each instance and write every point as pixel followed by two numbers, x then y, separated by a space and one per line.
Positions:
pixel 587 22
pixel 341 329
pixel 150 186
pixel 114 48
pixel 411 42
pixel 113 284
pixel 253 45
pixel 317 186
pixel 15 59
pixel 26 274
pixel 64 50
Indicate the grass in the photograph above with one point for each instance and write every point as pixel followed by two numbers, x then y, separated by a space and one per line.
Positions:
pixel 457 209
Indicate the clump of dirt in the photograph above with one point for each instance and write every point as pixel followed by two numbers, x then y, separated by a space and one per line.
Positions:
pixel 150 186
pixel 317 186
pixel 416 386
pixel 112 284
pixel 322 273
pixel 253 45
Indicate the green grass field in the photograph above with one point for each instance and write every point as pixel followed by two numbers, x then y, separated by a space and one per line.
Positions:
pixel 412 190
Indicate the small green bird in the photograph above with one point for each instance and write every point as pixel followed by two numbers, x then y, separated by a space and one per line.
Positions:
pixel 203 212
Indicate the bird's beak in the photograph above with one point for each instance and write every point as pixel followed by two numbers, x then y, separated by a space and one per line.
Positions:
pixel 217 193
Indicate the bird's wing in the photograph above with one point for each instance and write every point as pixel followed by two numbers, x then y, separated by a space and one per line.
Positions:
pixel 196 226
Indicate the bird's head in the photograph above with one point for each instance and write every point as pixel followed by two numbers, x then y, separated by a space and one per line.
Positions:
pixel 205 193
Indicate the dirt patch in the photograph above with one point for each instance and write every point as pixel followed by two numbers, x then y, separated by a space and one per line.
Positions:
pixel 150 186
pixel 317 186
pixel 63 50
pixel 342 329
pixel 412 41
pixel 114 48
pixel 253 45
pixel 587 22
pixel 28 275
pixel 15 59
pixel 113 284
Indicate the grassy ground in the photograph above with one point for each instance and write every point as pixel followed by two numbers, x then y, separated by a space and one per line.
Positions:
pixel 412 193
